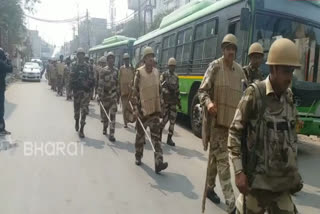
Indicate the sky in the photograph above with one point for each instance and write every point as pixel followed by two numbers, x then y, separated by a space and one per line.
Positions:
pixel 57 34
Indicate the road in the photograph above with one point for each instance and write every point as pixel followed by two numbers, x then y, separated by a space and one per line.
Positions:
pixel 101 176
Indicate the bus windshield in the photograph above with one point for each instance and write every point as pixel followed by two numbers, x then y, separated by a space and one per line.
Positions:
pixel 307 37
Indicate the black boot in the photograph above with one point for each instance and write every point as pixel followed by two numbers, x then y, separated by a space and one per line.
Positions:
pixel 112 138
pixel 169 141
pixel 213 196
pixel 81 134
pixel 160 165
pixel 77 125
pixel 138 161
pixel 104 131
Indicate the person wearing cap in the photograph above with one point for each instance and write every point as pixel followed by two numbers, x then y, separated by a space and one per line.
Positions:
pixel 5 68
pixel 81 80
pixel 252 71
pixel 265 163
pixel 66 78
pixel 53 74
pixel 147 107
pixel 170 99
pixel 108 95
pixel 126 75
pixel 102 62
pixel 219 95
pixel 93 70
pixel 60 72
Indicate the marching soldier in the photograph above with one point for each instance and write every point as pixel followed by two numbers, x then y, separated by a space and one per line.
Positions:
pixel 53 75
pixel 60 72
pixel 126 76
pixel 92 69
pixel 219 94
pixel 81 81
pixel 102 62
pixel 66 78
pixel 170 95
pixel 262 137
pixel 252 71
pixel 108 91
pixel 146 94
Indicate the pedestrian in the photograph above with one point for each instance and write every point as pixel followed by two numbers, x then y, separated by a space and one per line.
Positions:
pixel 66 78
pixel 146 101
pixel 92 70
pixel 252 71
pixel 5 68
pixel 263 140
pixel 102 62
pixel 108 91
pixel 126 76
pixel 53 75
pixel 219 94
pixel 60 72
pixel 81 81
pixel 171 99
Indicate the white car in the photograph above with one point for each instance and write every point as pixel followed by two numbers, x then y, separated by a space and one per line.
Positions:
pixel 31 71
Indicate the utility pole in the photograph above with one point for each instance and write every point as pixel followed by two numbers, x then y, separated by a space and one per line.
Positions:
pixel 88 28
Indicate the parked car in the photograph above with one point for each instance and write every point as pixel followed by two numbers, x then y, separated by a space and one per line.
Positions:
pixel 31 71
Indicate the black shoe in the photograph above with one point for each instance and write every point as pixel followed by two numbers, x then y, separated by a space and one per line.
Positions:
pixel 138 162
pixel 169 141
pixel 4 132
pixel 112 138
pixel 125 126
pixel 77 125
pixel 160 166
pixel 213 196
pixel 81 134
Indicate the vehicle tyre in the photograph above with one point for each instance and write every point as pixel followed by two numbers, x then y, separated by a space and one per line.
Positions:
pixel 196 116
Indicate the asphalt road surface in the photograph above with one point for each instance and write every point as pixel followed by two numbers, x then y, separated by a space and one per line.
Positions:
pixel 46 168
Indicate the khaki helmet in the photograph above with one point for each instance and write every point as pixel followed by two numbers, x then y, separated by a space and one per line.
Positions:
pixel 172 61
pixel 110 54
pixel 126 56
pixel 283 52
pixel 80 50
pixel 147 51
pixel 229 39
pixel 102 59
pixel 255 48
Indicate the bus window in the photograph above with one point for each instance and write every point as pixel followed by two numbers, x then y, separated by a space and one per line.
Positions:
pixel 183 49
pixel 168 49
pixel 204 47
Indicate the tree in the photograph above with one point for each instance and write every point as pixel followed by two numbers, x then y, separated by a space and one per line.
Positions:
pixel 158 19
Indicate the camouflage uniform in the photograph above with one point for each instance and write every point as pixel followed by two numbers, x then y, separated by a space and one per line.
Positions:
pixel 53 76
pixel 66 80
pixel 149 110
pixel 223 87
pixel 92 70
pixel 271 143
pixel 251 74
pixel 170 94
pixel 80 82
pixel 108 91
pixel 126 76
pixel 60 72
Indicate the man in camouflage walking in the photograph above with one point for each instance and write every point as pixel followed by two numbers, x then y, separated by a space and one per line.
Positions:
pixel 147 107
pixel 108 92
pixel 252 71
pixel 126 80
pixel 263 140
pixel 171 99
pixel 81 81
pixel 219 94
pixel 66 78
pixel 60 72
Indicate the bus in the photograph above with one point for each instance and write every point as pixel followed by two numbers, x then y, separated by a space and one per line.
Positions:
pixel 193 35
pixel 117 44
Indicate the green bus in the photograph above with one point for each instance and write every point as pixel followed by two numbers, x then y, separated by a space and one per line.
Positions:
pixel 117 44
pixel 193 34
